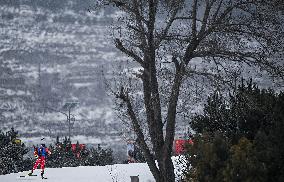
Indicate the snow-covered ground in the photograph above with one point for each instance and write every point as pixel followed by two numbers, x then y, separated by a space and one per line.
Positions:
pixel 110 173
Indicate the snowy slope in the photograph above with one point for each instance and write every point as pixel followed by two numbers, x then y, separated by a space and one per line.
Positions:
pixel 118 172
pixel 109 173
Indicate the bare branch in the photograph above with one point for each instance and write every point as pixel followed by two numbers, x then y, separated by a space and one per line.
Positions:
pixel 130 53
pixel 194 16
pixel 140 136
pixel 223 15
pixel 205 16
pixel 164 33
pixel 140 21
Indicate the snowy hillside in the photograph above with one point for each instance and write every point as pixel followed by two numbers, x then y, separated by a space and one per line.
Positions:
pixel 60 55
pixel 58 50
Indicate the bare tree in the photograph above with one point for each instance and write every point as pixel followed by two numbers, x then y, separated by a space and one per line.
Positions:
pixel 164 38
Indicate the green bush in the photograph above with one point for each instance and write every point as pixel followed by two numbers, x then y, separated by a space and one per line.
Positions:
pixel 207 158
pixel 239 140
pixel 63 156
pixel 243 164
pixel 12 154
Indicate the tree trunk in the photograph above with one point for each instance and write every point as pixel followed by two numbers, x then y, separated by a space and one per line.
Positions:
pixel 167 170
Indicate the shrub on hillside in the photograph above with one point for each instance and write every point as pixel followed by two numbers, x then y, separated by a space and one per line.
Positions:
pixel 241 140
pixel 64 156
pixel 12 153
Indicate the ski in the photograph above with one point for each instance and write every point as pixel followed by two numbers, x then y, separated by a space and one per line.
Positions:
pixel 28 175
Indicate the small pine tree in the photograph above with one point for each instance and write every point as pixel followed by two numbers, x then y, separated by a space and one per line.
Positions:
pixel 252 124
pixel 100 157
pixel 243 164
pixel 207 158
pixel 12 153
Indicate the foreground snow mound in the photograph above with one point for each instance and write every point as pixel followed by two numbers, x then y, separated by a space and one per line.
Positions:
pixel 110 173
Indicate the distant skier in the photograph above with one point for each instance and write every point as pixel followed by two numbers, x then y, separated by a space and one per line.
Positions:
pixel 130 151
pixel 41 154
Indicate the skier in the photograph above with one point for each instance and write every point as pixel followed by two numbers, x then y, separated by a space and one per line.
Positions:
pixel 130 151
pixel 41 154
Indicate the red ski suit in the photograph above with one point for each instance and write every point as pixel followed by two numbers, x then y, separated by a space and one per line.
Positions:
pixel 41 160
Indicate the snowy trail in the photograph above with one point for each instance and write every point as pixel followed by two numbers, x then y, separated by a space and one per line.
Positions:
pixel 110 173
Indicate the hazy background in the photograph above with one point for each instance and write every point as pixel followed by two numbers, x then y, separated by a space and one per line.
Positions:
pixel 52 52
